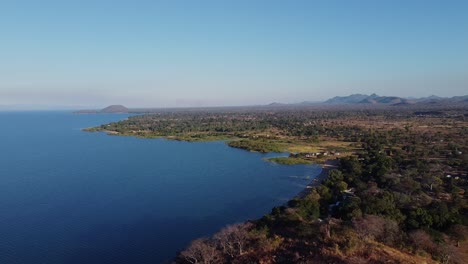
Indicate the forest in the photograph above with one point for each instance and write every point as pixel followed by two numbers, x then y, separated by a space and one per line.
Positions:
pixel 397 196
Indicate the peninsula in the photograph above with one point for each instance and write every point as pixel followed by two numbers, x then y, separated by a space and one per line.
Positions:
pixel 397 192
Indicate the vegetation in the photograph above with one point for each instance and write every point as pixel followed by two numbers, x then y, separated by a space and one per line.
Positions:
pixel 257 145
pixel 256 130
pixel 289 160
pixel 398 195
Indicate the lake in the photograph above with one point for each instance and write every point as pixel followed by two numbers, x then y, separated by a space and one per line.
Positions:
pixel 68 196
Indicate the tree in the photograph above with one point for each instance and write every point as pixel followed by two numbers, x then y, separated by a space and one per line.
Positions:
pixel 327 225
pixel 334 176
pixel 201 251
pixel 422 240
pixel 419 218
pixel 308 208
pixel 383 204
pixel 440 213
pixel 378 228
pixel 431 181
pixel 351 166
pixel 335 181
pixel 233 239
pixel 458 233
pixel 350 208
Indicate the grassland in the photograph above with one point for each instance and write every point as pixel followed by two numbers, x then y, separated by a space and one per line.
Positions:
pixel 289 160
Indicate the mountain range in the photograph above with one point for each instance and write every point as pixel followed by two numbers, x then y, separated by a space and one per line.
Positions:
pixel 375 99
pixel 353 99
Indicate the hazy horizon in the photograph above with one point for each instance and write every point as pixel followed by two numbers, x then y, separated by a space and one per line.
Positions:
pixel 32 107
pixel 228 53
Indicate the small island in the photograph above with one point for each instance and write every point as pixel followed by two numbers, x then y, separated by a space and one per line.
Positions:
pixel 112 109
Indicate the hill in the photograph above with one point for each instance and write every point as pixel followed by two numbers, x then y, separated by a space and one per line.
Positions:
pixel 368 99
pixel 375 99
pixel 112 109
pixel 350 99
pixel 115 109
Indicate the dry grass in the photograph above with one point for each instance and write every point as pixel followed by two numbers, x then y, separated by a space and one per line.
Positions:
pixel 373 252
pixel 303 147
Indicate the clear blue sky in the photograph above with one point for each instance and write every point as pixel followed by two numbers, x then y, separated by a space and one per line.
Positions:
pixel 205 53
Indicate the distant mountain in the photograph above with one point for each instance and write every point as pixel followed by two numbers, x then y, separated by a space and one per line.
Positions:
pixel 443 100
pixel 112 109
pixel 276 104
pixel 391 100
pixel 304 103
pixel 354 99
pixel 374 99
pixel 350 99
pixel 367 99
pixel 310 102
pixel 432 97
pixel 460 98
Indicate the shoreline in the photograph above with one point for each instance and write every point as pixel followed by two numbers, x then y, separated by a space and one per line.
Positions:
pixel 326 167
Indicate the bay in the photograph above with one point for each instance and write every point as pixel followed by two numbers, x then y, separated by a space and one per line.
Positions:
pixel 68 196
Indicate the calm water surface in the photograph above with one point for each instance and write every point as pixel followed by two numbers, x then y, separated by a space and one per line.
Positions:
pixel 68 196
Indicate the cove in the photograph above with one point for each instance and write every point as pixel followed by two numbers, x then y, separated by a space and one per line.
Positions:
pixel 68 196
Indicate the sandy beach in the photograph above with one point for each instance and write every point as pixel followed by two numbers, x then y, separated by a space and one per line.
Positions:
pixel 326 167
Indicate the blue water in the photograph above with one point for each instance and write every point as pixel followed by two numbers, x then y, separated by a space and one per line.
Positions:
pixel 68 196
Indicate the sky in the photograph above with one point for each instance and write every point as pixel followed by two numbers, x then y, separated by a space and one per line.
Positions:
pixel 148 53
